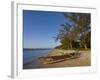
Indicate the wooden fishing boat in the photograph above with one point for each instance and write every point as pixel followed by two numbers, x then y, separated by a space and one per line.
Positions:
pixel 59 58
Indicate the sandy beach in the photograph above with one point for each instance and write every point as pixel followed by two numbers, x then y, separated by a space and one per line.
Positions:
pixel 83 60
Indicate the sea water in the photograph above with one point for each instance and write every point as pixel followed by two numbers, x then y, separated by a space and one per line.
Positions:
pixel 30 57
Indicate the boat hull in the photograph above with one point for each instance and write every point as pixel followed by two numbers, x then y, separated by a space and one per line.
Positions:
pixel 59 58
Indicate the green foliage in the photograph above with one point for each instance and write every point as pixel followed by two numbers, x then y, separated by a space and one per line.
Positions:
pixel 76 33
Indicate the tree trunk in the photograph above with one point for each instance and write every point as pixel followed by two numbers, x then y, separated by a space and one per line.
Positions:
pixel 80 45
pixel 71 45
pixel 85 46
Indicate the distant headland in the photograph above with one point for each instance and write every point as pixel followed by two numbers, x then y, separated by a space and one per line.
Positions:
pixel 37 48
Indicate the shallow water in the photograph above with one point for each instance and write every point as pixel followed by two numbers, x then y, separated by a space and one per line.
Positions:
pixel 30 58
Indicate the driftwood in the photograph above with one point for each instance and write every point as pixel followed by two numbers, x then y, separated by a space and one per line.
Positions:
pixel 59 58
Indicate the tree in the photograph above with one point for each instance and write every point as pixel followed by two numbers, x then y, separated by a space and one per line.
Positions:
pixel 81 23
pixel 63 36
pixel 76 31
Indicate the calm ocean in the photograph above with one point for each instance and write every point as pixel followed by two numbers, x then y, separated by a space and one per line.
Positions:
pixel 30 58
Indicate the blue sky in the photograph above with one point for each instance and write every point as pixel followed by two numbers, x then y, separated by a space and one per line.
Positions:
pixel 39 28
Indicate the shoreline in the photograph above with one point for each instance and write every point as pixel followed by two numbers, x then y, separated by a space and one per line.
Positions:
pixel 83 60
